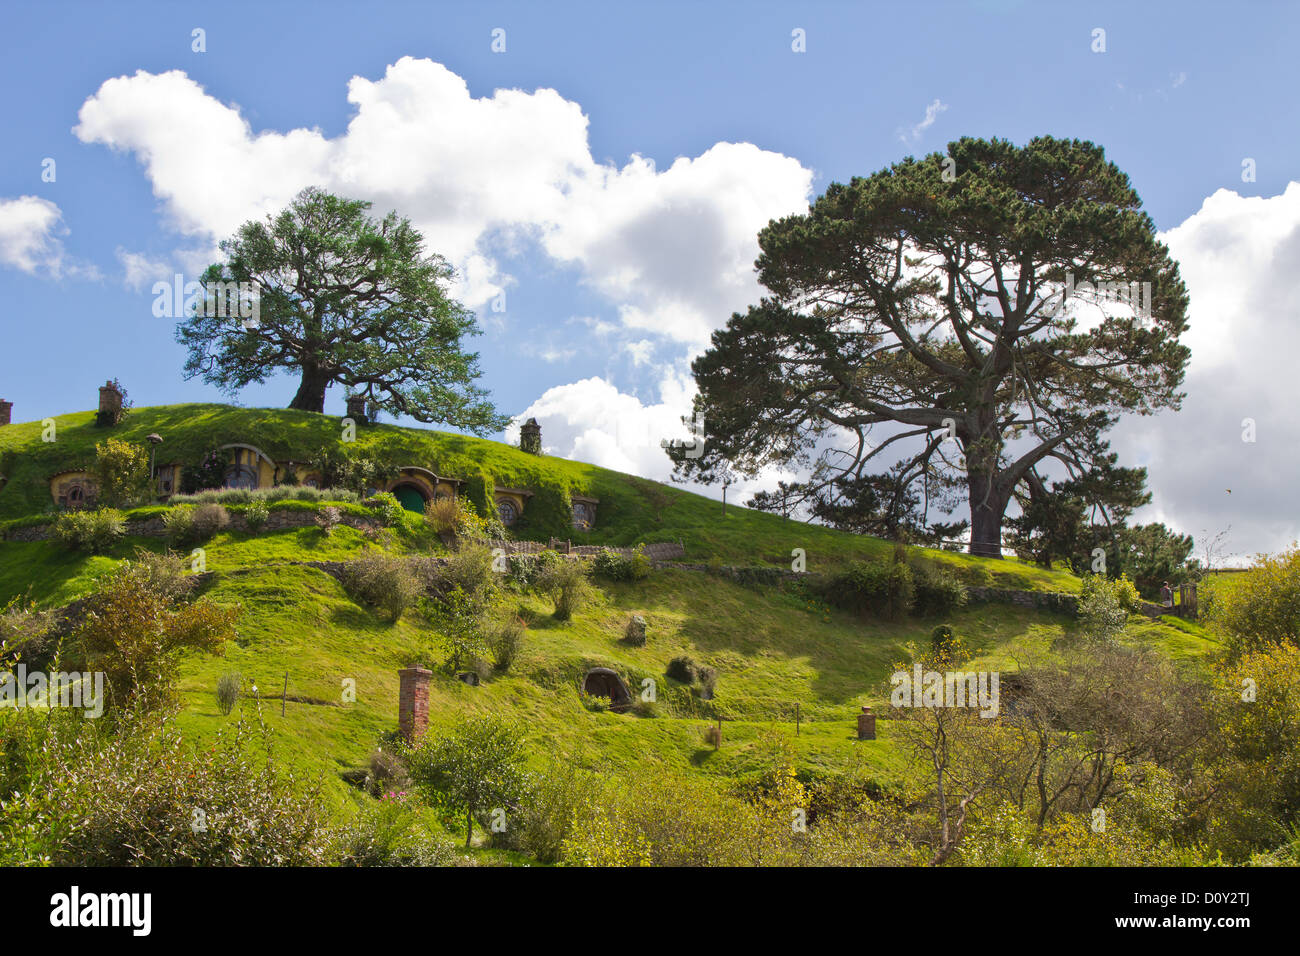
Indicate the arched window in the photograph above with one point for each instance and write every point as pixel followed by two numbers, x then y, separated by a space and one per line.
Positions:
pixel 581 515
pixel 241 476
pixel 508 512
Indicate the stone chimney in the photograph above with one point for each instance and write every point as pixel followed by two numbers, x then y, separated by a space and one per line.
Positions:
pixel 6 409
pixel 413 702
pixel 357 408
pixel 866 724
pixel 530 437
pixel 110 402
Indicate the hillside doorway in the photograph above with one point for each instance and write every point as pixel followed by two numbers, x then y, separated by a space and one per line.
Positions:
pixel 603 682
pixel 411 498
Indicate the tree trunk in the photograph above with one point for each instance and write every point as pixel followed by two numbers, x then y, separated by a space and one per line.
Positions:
pixel 469 829
pixel 987 506
pixel 311 391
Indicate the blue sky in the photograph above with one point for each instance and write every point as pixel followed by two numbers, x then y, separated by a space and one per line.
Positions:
pixel 614 272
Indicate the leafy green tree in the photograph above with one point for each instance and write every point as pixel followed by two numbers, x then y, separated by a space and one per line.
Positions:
pixel 931 296
pixel 1261 608
pixel 477 767
pixel 122 471
pixel 1152 554
pixel 1073 517
pixel 343 298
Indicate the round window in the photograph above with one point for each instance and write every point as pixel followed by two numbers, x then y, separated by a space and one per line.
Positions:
pixel 508 512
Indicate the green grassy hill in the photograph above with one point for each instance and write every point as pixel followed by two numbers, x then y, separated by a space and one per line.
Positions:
pixel 632 510
pixel 773 648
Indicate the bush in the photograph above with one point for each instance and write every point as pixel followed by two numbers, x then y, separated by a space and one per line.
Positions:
pixel 91 532
pixel 388 508
pixel 209 519
pixel 178 521
pixel 391 833
pixel 1101 608
pixel 256 513
pixel 568 587
pixel 134 632
pixel 938 590
pixel 228 686
pixel 382 580
pixel 328 518
pixel 555 803
pixel 122 472
pixel 527 569
pixel 443 515
pixel 872 587
pixel 144 797
pixel 505 642
pixel 469 569
pixel 615 566
pixel 1260 609
pixel 387 774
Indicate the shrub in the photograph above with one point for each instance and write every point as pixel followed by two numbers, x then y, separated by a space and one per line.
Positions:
pixel 475 768
pixel 391 833
pixel 209 519
pixel 527 569
pixel 1100 607
pixel 568 587
pixel 256 513
pixel 615 566
pixel 178 521
pixel 382 580
pixel 122 472
pixel 134 632
pixel 328 518
pixel 228 685
pixel 1260 609
pixel 131 798
pixel 91 532
pixel 873 587
pixel 506 641
pixel 210 472
pixel 469 570
pixel 556 801
pixel 24 633
pixel 389 509
pixel 443 515
pixel 938 590
pixel 387 774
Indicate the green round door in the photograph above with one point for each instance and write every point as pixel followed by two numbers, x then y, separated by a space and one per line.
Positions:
pixel 411 499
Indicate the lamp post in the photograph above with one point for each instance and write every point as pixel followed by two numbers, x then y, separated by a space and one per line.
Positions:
pixel 154 440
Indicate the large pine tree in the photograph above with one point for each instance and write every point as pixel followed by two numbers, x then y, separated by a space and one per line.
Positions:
pixel 930 298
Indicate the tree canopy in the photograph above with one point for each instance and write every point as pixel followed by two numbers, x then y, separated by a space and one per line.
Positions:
pixel 980 301
pixel 342 298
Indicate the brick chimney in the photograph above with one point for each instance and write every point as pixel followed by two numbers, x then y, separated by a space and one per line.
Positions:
pixel 6 409
pixel 530 437
pixel 413 702
pixel 110 402
pixel 866 724
pixel 357 408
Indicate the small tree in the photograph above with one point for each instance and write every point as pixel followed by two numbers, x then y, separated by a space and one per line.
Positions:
pixel 1261 608
pixel 135 629
pixel 122 470
pixel 477 767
